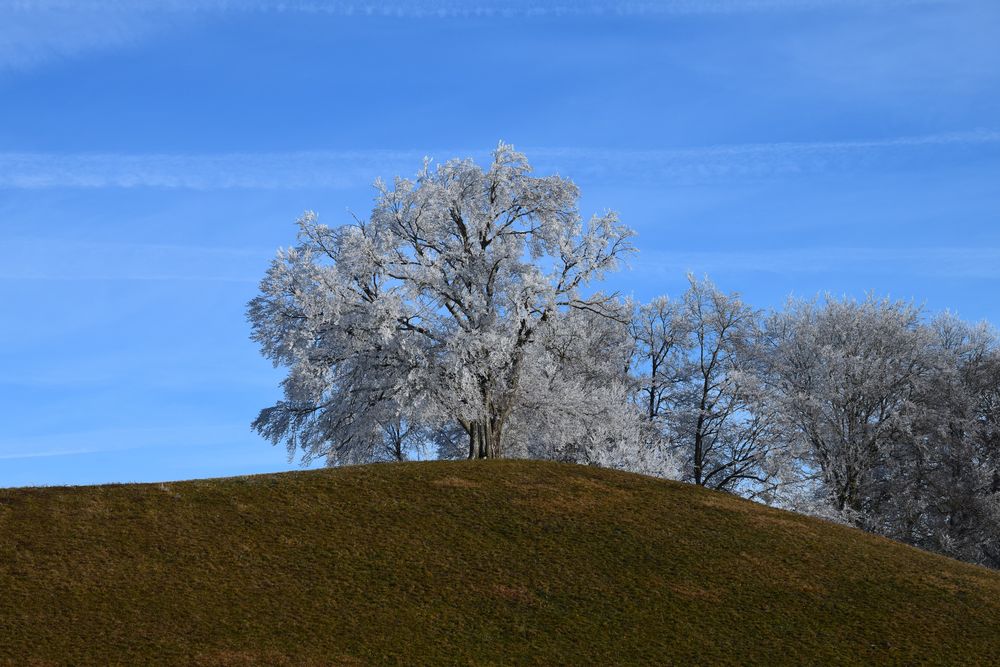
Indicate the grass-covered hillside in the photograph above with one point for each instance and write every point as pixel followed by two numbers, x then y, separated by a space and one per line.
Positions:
pixel 495 562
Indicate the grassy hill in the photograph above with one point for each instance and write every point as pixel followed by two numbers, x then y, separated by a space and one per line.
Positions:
pixel 496 562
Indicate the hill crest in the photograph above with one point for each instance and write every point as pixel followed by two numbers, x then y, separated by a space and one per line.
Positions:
pixel 478 562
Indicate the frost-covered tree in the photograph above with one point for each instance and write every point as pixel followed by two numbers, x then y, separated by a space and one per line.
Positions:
pixel 579 403
pixel 699 385
pixel 943 490
pixel 896 421
pixel 432 312
pixel 723 420
pixel 661 331
pixel 847 374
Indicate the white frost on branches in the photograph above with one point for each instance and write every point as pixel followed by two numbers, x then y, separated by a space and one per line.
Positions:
pixel 460 302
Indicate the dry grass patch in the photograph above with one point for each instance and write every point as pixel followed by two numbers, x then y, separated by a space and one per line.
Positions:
pixel 483 562
pixel 455 483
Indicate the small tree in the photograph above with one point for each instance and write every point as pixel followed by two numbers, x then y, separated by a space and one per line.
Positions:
pixel 428 312
pixel 661 330
pixel 699 369
pixel 723 419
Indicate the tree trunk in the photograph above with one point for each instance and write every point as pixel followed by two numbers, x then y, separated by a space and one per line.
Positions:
pixel 699 448
pixel 485 440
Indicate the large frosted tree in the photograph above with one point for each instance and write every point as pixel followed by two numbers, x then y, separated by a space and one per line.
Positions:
pixel 427 318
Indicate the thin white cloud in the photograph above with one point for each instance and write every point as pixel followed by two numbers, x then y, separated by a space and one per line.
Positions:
pixel 458 8
pixel 202 172
pixel 756 161
pixel 158 453
pixel 342 170
pixel 35 32
pixel 182 367
pixel 122 438
pixel 53 453
pixel 48 260
pixel 138 277
pixel 124 261
pixel 30 37
pixel 954 262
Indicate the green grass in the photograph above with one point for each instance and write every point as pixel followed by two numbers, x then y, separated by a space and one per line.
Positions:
pixel 495 562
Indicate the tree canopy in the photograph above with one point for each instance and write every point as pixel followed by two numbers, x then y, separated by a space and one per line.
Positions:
pixel 426 317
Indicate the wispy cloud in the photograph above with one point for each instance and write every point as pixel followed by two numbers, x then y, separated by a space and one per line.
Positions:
pixel 760 160
pixel 474 8
pixel 185 367
pixel 160 452
pixel 48 260
pixel 203 172
pixel 50 453
pixel 954 262
pixel 118 439
pixel 341 170
pixel 33 35
pixel 34 32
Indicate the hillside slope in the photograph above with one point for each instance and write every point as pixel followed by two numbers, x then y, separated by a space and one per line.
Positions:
pixel 497 562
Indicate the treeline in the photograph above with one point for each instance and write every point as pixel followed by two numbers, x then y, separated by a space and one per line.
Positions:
pixel 864 411
pixel 460 319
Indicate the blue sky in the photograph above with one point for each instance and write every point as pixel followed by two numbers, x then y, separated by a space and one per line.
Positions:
pixel 154 154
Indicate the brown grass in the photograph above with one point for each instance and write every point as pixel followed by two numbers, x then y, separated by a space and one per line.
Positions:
pixel 500 562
